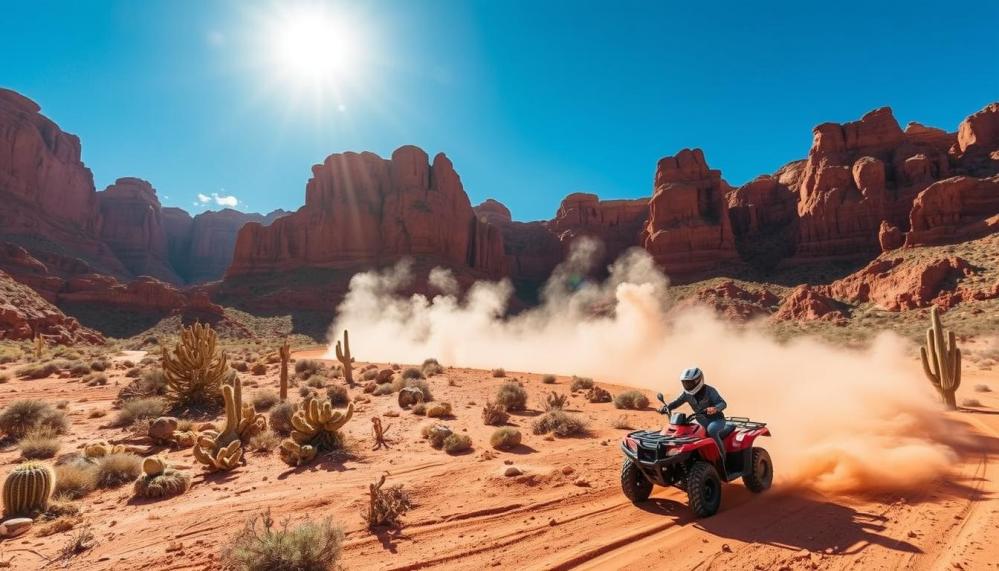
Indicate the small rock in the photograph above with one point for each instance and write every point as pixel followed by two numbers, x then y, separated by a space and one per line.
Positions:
pixel 582 482
pixel 726 548
pixel 512 471
pixel 568 470
pixel 508 462
pixel 15 526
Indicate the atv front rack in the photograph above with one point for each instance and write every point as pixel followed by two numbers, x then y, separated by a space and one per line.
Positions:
pixel 744 423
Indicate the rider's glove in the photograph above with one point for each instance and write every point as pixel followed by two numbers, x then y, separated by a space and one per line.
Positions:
pixel 664 409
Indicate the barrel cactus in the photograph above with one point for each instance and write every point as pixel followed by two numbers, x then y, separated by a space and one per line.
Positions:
pixel 27 489
pixel 160 480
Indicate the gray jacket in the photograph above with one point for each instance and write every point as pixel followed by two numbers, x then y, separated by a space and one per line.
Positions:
pixel 701 400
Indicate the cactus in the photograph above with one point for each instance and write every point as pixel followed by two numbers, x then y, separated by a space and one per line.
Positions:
pixel 285 353
pixel 159 480
pixel 316 427
pixel 39 345
pixel 942 360
pixel 343 355
pixel 27 489
pixel 224 450
pixel 101 448
pixel 195 369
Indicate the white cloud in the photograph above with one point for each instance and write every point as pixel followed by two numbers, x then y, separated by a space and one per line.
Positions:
pixel 227 201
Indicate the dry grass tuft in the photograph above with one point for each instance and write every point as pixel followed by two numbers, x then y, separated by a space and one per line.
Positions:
pixel 114 470
pixel 512 396
pixel 75 479
pixel 39 444
pixel 140 409
pixel 560 423
pixel 633 400
pixel 22 416
pixel 309 546
pixel 265 400
pixel 580 384
pixel 494 414
pixel 457 443
pixel 506 438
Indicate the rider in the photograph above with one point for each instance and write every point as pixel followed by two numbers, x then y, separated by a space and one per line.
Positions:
pixel 703 399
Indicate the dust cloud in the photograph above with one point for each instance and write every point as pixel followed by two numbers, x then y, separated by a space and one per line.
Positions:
pixel 844 421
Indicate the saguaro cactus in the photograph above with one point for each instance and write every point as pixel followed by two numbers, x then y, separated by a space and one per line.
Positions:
pixel 942 360
pixel 284 351
pixel 343 355
pixel 27 489
pixel 39 345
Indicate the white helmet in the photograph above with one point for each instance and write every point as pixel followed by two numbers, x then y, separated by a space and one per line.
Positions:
pixel 692 380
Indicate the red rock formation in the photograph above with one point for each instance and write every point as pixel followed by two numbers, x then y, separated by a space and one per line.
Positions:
pixel 493 212
pixel 618 224
pixel 806 303
pixel 212 240
pixel 895 284
pixel 955 209
pixel 23 314
pixel 764 220
pixel 132 225
pixel 48 196
pixel 890 237
pixel 361 210
pixel 733 301
pixel 980 130
pixel 689 230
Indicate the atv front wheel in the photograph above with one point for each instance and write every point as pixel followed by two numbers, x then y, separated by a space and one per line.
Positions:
pixel 761 471
pixel 703 489
pixel 634 484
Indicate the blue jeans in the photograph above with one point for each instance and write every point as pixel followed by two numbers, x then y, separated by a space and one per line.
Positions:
pixel 714 428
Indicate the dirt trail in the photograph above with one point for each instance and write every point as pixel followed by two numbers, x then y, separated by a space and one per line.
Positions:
pixel 564 512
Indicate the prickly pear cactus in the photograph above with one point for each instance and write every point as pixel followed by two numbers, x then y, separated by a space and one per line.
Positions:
pixel 27 489
pixel 942 360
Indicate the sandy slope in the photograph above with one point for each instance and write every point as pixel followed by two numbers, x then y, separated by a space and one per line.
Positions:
pixel 565 512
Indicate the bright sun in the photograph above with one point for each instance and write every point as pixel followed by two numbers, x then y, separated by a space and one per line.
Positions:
pixel 311 46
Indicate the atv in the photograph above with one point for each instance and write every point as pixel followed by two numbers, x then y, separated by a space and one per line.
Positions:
pixel 684 456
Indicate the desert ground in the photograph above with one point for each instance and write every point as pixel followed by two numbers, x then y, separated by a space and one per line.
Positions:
pixel 564 510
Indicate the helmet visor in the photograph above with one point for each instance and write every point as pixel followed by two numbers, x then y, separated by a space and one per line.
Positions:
pixel 691 384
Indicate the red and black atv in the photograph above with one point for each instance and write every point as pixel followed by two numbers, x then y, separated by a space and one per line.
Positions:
pixel 683 455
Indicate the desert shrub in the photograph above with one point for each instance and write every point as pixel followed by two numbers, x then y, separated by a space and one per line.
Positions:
pixel 512 396
pixel 439 410
pixel 456 443
pixel 633 400
pixel 38 444
pixel 133 373
pixel 75 479
pixel 411 373
pixel 971 402
pixel 369 375
pixel 494 414
pixel 305 368
pixel 99 365
pixel 79 369
pixel 22 416
pixel 308 547
pixel 548 379
pixel 77 543
pixel 421 384
pixel 150 384
pixel 264 441
pixel 37 371
pixel 499 373
pixel 9 354
pixel 581 384
pixel 258 369
pixel 95 380
pixel 316 382
pixel 280 418
pixel 116 469
pixel 560 423
pixel 265 400
pixel 382 389
pixel 386 505
pixel 241 366
pixel 982 389
pixel 419 409
pixel 431 367
pixel 505 438
pixel 556 401
pixel 140 409
pixel 338 395
pixel 435 434
pixel 621 423
pixel 306 392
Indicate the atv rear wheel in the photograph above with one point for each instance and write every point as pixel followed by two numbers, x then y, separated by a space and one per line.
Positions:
pixel 703 489
pixel 634 484
pixel 760 474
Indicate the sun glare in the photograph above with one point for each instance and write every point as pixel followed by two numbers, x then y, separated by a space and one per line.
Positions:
pixel 312 46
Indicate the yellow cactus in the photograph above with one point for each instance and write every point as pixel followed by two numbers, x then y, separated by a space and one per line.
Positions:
pixel 316 427
pixel 154 466
pixel 101 448
pixel 224 450
pixel 295 454
pixel 343 355
pixel 195 369
pixel 27 489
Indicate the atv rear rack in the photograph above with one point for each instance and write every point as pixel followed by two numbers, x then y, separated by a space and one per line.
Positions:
pixel 745 423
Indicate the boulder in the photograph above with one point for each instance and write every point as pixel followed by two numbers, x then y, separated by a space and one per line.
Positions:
pixel 897 284
pixel 806 303
pixel 954 209
pixel 890 237
pixel 162 428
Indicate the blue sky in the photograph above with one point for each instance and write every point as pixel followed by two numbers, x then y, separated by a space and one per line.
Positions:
pixel 531 100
